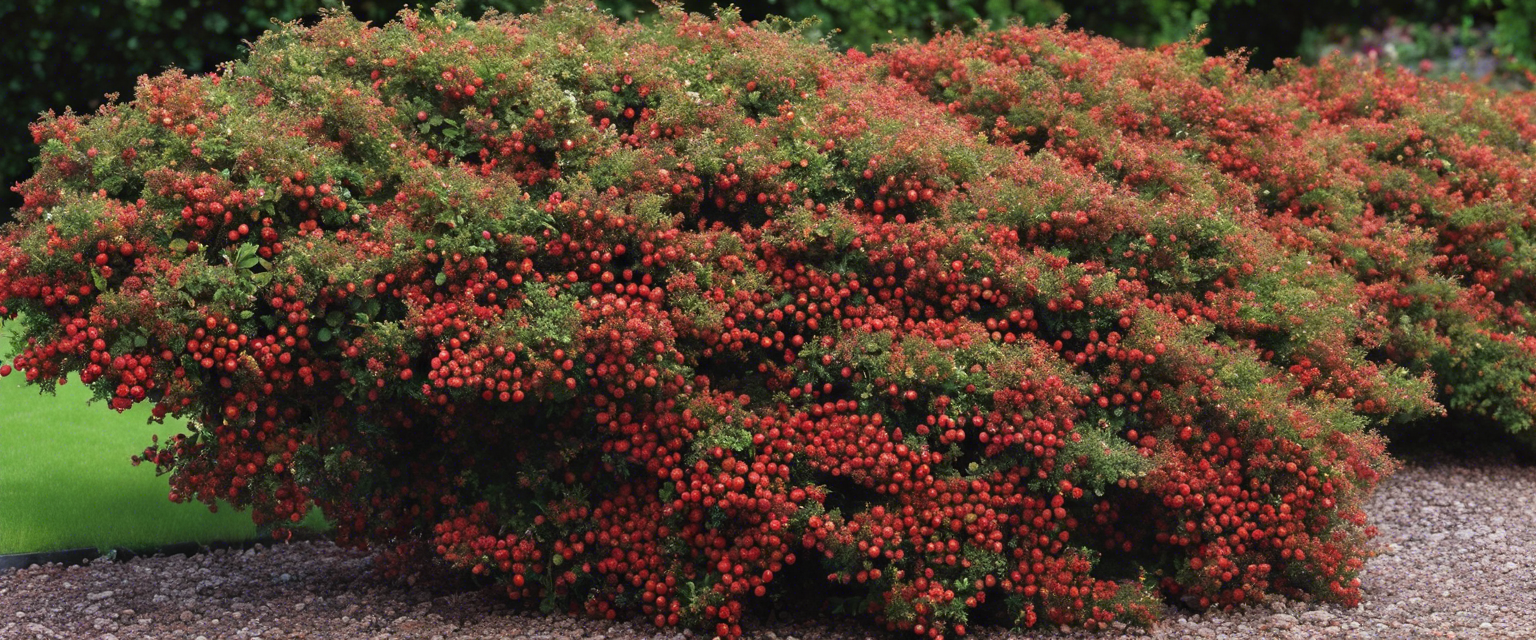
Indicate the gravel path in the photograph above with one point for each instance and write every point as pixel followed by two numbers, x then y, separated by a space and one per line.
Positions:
pixel 1458 544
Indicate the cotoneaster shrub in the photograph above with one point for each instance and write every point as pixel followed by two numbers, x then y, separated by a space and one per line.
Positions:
pixel 1422 191
pixel 670 320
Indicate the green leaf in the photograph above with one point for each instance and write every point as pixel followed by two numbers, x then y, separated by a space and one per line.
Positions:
pixel 113 184
pixel 246 257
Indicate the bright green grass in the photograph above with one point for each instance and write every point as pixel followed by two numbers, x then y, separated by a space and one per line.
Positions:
pixel 66 480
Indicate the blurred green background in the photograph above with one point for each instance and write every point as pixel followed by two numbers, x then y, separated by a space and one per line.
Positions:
pixel 70 53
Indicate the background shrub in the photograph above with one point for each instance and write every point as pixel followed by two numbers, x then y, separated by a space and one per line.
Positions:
pixel 1435 50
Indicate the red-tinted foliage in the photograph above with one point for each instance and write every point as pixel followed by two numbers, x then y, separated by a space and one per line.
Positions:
pixel 1420 190
pixel 667 320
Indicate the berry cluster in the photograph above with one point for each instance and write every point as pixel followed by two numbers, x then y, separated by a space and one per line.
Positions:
pixel 671 320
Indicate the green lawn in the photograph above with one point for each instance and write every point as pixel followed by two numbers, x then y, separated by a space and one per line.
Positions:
pixel 66 480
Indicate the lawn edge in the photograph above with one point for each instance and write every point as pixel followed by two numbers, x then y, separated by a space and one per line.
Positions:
pixel 85 555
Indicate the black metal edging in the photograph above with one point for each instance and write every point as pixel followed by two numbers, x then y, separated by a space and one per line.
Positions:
pixel 86 554
pixel 67 556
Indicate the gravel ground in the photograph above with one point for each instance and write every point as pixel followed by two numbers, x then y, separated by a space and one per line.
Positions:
pixel 1458 561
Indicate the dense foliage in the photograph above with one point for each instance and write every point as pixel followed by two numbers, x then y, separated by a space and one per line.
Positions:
pixel 1017 327
pixel 1421 191
pixel 50 66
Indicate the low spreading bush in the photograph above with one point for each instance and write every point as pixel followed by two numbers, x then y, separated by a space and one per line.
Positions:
pixel 1422 191
pixel 668 320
